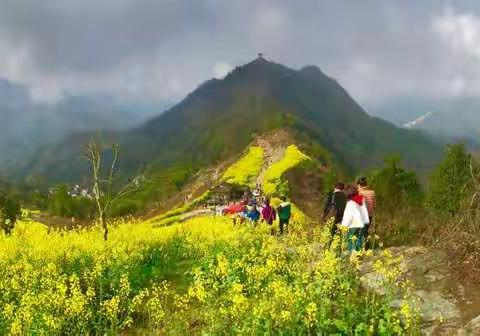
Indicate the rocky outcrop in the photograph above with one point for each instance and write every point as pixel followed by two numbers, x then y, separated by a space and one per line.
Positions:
pixel 444 304
pixel 471 328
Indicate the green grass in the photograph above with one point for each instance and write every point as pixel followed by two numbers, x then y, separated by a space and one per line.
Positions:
pixel 244 171
pixel 273 176
pixel 174 214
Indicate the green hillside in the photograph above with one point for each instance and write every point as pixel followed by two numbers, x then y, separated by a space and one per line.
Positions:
pixel 221 117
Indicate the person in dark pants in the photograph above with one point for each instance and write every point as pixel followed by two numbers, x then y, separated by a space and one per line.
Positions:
pixel 371 202
pixel 269 214
pixel 355 218
pixel 335 207
pixel 284 212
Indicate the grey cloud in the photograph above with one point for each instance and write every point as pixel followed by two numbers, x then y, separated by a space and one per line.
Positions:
pixel 163 49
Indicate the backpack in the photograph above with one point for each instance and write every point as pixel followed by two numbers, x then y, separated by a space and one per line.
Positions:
pixel 331 209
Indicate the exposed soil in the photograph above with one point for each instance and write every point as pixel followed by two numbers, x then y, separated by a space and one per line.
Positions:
pixel 274 146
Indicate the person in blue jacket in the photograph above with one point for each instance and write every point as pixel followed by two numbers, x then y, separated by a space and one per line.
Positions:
pixel 253 214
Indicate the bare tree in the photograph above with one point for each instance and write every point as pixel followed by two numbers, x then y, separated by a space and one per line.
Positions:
pixel 476 184
pixel 102 180
pixel 469 218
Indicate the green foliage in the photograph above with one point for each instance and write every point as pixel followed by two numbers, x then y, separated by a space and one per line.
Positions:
pixel 125 207
pixel 245 170
pixel 272 182
pixel 451 181
pixel 394 185
pixel 158 186
pixel 217 121
pixel 62 204
pixel 10 211
pixel 174 214
pixel 329 180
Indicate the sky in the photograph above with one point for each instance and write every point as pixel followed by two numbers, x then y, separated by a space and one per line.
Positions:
pixel 160 50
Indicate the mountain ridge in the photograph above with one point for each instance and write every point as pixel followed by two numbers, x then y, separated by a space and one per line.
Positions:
pixel 221 117
pixel 27 125
pixel 448 117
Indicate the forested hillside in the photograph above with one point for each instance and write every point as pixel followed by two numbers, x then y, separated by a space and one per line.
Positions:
pixel 221 117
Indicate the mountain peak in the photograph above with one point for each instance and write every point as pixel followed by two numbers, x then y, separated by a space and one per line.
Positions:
pixel 259 62
pixel 260 59
pixel 311 69
pixel 259 67
pixel 218 120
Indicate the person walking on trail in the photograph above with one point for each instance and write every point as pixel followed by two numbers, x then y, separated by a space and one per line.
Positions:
pixel 335 207
pixel 355 218
pixel 371 202
pixel 284 213
pixel 268 213
pixel 256 193
pixel 252 213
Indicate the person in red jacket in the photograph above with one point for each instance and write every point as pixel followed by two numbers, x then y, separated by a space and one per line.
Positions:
pixel 370 200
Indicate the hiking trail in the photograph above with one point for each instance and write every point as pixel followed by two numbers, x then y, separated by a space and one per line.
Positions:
pixel 274 146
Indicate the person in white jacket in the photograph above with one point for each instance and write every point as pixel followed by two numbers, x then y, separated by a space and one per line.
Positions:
pixel 355 218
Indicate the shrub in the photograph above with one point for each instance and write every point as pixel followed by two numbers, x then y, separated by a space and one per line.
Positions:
pixel 396 186
pixel 10 211
pixel 451 181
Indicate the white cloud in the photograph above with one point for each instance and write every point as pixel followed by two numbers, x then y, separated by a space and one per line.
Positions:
pixel 363 67
pixel 49 91
pixel 459 31
pixel 221 69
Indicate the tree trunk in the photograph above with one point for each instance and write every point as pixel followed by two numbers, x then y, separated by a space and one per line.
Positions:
pixel 103 223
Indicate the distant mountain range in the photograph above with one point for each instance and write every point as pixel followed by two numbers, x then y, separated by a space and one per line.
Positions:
pixel 25 125
pixel 450 118
pixel 221 117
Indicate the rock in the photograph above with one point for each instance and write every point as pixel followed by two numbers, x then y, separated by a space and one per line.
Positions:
pixel 471 328
pixel 373 282
pixel 438 315
pixel 432 261
pixel 438 296
pixel 439 329
pixel 435 276
pixel 434 307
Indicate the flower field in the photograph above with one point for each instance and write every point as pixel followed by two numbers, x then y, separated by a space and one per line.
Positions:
pixel 272 179
pixel 203 276
pixel 246 169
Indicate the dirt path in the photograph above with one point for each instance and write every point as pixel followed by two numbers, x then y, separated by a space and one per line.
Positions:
pixel 271 154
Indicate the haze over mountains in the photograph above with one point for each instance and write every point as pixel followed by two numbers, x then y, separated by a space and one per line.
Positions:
pixel 455 118
pixel 27 125
pixel 220 118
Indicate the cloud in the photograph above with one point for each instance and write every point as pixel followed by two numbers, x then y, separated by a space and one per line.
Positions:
pixel 459 34
pixel 221 69
pixel 461 31
pixel 161 50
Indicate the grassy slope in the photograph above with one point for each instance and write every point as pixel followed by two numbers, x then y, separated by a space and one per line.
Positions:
pixel 245 171
pixel 220 118
pixel 273 176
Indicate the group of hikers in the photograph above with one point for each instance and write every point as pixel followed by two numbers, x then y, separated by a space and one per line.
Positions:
pixel 351 207
pixel 255 207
